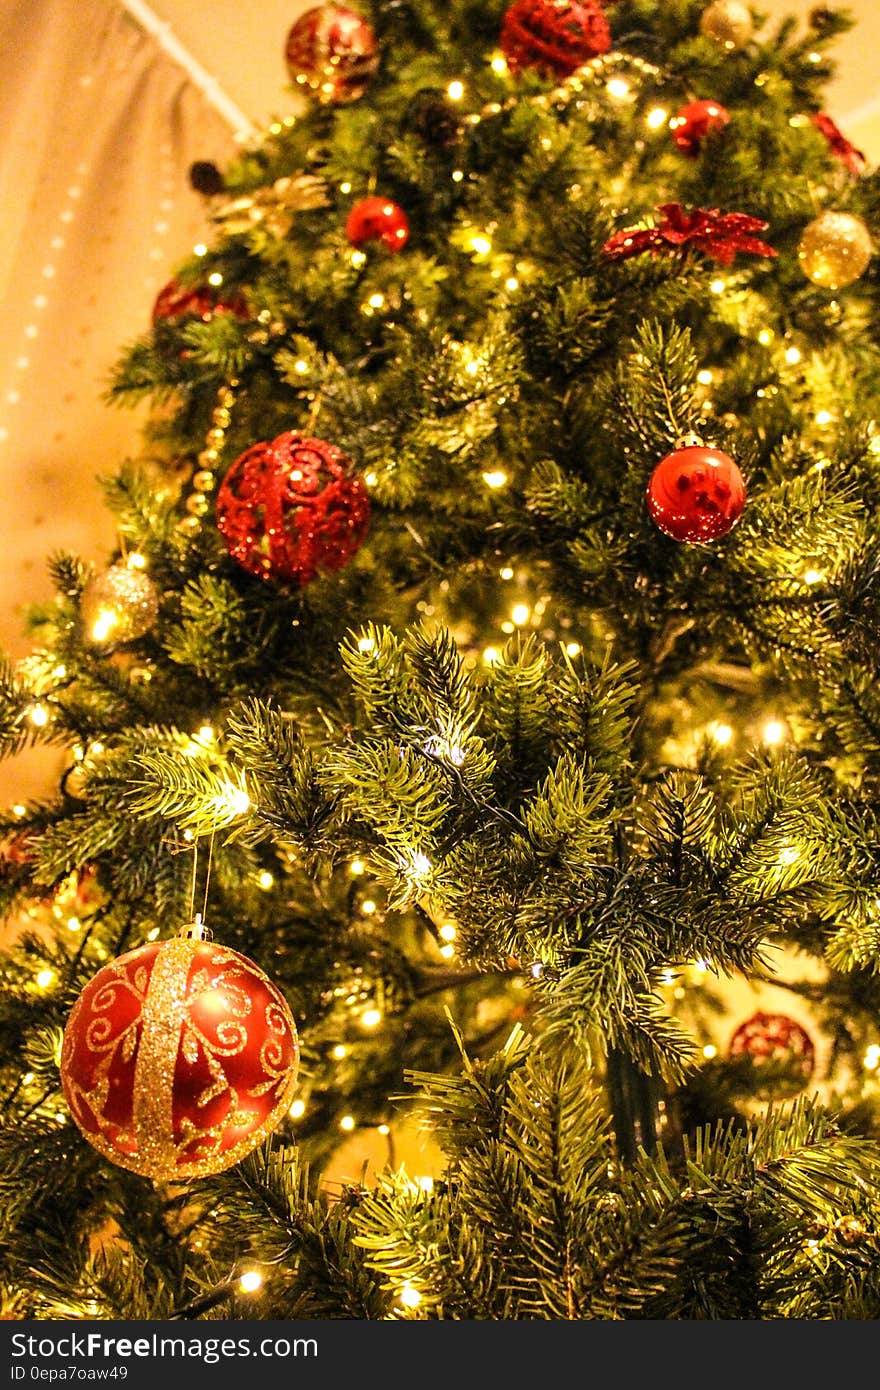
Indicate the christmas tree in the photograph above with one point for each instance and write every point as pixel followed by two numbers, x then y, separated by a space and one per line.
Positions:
pixel 483 691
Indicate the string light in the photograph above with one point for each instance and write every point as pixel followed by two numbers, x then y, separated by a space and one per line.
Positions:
pixel 371 1018
pixel 793 356
pixel 495 479
pixel 368 907
pixel 520 613
pixel 410 1296
pixel 215 278
pixel 152 934
pixel 720 734
pixel 499 65
pixel 814 576
pixel 19 810
pixel 765 337
pixel 824 417
pixel 511 283
pixel 347 1123
pixel 618 87
pixel 773 732
pixel 45 978
pixel 448 932
pixel 447 952
pixel 339 1051
pixel 709 1052
pixel 232 801
pixel 357 866
pixel 200 249
pixel 871 1059
pixel 297 1109
pixel 573 648
pixel 265 879
pixel 457 175
pixel 39 715
pixel 656 118
pixel 455 91
pixel 491 655
pixel 250 1281
pixel 718 286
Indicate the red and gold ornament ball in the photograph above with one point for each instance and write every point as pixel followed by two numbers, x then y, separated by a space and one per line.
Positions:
pixel 292 508
pixel 332 53
pixel 378 219
pixel 696 494
pixel 776 1038
pixel 176 301
pixel 694 122
pixel 554 37
pixel 179 1058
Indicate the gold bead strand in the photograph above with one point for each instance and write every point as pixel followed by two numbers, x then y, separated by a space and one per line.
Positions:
pixel 204 480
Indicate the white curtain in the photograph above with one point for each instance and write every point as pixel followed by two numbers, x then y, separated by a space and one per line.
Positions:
pixel 99 128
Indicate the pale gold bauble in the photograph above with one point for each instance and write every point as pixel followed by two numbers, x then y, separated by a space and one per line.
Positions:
pixel 835 249
pixel 119 605
pixel 727 22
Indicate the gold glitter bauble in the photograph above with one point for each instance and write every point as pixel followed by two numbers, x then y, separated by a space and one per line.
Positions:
pixel 179 1058
pixel 728 22
pixel 119 605
pixel 835 249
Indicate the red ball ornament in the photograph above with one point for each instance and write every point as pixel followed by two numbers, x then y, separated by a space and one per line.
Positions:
pixel 176 301
pixel 775 1038
pixel 553 36
pixel 292 507
pixel 179 1058
pixel 696 494
pixel 695 121
pixel 332 52
pixel 377 219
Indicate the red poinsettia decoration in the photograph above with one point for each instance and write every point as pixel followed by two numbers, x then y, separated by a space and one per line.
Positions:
pixel 844 149
pixel 720 235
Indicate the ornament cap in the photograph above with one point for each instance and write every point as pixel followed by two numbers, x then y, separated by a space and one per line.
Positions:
pixel 690 441
pixel 196 930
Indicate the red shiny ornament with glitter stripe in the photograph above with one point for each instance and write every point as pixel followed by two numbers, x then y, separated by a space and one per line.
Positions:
pixel 696 494
pixel 691 125
pixel 331 52
pixel 292 508
pixel 176 301
pixel 179 1058
pixel 775 1038
pixel 553 36
pixel 377 219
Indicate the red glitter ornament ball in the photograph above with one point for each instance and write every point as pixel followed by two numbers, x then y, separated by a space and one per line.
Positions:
pixel 179 1058
pixel 695 121
pixel 775 1038
pixel 696 494
pixel 290 508
pixel 553 36
pixel 377 219
pixel 176 301
pixel 332 53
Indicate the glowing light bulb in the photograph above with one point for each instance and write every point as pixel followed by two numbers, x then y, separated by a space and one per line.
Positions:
pixel 73 924
pixel 250 1281
pixel 152 933
pixel 718 286
pixel 232 801
pixel 499 65
pixel 824 417
pixel 297 1109
pixel 358 258
pixel 45 978
pixel 709 1052
pixel 773 732
pixel 215 278
pixel 371 1018
pixel 814 576
pixel 457 175
pixel 618 88
pixel 491 655
pixel 506 573
pixel 376 301
pixel 705 377
pixel 357 866
pixel 345 187
pixel 104 624
pixel 656 117
pixel 520 613
pixel 265 879
pixel 765 337
pixel 339 1051
pixel 300 366
pixel 383 1129
pixel 720 734
pixel 368 907
pixel 447 952
pixel 19 810
pixel 481 245
pixel 495 479
pixel 410 1296
pixel 573 648
pixel 789 855
pixel 347 1123
pixel 448 932
pixel 793 356
pixel 200 249
pixel 455 91
pixel 511 283
pixel 39 715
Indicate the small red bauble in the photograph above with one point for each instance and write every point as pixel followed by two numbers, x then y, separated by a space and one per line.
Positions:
pixel 176 301
pixel 695 121
pixel 553 36
pixel 179 1058
pixel 332 52
pixel 377 219
pixel 775 1038
pixel 292 507
pixel 696 494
